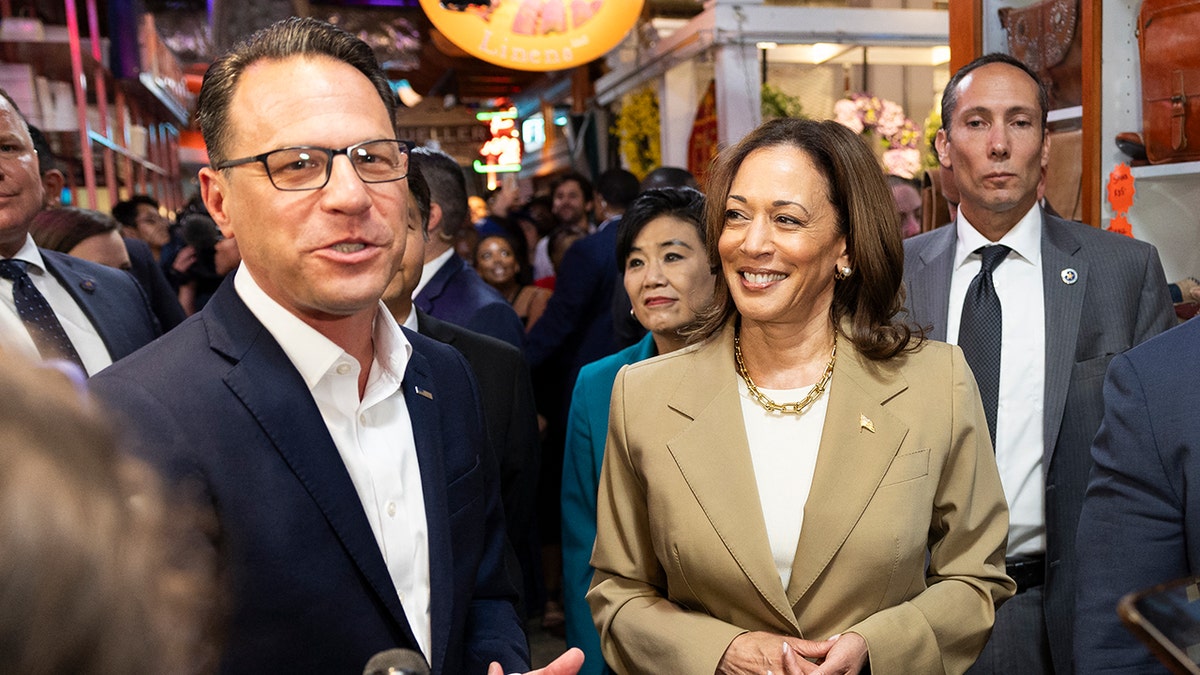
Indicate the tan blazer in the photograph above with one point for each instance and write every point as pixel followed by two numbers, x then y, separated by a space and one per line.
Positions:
pixel 682 559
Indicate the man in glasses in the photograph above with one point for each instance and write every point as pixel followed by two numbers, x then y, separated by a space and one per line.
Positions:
pixel 344 459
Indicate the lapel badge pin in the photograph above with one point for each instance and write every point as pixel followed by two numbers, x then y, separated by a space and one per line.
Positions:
pixel 422 392
pixel 88 285
pixel 1069 276
pixel 865 422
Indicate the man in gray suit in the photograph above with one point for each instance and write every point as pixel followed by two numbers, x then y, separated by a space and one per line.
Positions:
pixel 1070 298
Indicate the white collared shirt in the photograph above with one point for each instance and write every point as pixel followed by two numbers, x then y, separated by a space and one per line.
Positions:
pixel 1020 411
pixel 374 437
pixel 431 268
pixel 79 329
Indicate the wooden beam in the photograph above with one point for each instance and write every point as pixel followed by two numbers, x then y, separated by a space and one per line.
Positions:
pixel 966 32
pixel 1090 26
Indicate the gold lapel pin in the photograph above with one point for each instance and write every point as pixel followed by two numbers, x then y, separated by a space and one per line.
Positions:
pixel 426 394
pixel 866 423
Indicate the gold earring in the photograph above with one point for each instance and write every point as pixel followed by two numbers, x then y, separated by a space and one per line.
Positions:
pixel 842 273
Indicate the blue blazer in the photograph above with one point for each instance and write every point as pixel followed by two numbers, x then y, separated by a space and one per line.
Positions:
pixel 1141 517
pixel 458 295
pixel 112 300
pixel 308 587
pixel 1116 299
pixel 587 430
pixel 578 316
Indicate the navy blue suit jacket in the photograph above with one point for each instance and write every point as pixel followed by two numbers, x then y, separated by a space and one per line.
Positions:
pixel 163 300
pixel 112 300
pixel 458 295
pixel 309 589
pixel 1141 518
pixel 579 314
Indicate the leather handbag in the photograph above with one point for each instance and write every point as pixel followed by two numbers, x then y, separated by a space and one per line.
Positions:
pixel 1045 36
pixel 1169 48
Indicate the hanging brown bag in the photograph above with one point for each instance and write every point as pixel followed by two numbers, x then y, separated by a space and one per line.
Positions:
pixel 1169 46
pixel 1045 36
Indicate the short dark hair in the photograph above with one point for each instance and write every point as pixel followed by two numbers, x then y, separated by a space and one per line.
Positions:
pixel 870 299
pixel 419 189
pixel 950 93
pixel 669 176
pixel 618 187
pixel 683 203
pixel 126 212
pixel 585 185
pixel 294 36
pixel 47 161
pixel 63 228
pixel 447 188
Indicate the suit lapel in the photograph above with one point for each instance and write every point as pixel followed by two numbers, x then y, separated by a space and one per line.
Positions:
pixel 427 434
pixel 271 389
pixel 929 283
pixel 1064 308
pixel 851 462
pixel 437 284
pixel 714 458
pixel 82 289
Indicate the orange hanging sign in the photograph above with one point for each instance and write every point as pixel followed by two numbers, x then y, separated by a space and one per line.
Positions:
pixel 537 35
pixel 1120 225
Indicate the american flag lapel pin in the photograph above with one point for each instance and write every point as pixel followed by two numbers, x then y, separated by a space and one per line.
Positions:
pixel 422 392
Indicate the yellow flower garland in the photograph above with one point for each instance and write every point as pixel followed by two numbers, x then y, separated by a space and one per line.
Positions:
pixel 638 128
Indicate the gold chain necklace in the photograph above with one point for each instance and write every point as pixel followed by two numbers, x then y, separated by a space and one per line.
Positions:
pixel 797 407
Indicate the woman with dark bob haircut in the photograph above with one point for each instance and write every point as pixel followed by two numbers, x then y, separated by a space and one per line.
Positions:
pixel 821 480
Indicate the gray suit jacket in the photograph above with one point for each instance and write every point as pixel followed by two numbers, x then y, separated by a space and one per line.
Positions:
pixel 1119 299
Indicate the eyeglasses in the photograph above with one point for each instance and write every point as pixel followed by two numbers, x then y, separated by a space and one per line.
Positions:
pixel 309 168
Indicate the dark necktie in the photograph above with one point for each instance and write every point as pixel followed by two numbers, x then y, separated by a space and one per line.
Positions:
pixel 980 332
pixel 43 326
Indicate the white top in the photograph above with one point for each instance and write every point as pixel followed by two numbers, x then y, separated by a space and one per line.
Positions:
pixel 542 265
pixel 431 268
pixel 783 449
pixel 1019 413
pixel 374 437
pixel 75 323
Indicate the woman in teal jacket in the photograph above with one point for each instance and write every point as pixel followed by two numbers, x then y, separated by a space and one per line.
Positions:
pixel 661 251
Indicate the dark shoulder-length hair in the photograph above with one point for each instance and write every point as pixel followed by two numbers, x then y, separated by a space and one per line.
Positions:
pixel 683 203
pixel 866 303
pixel 62 229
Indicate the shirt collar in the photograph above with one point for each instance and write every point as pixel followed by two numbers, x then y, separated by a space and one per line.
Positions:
pixel 431 268
pixel 1025 238
pixel 310 352
pixel 30 254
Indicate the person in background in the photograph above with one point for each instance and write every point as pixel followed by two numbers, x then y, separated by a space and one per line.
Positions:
pixel 907 196
pixel 1022 292
pixel 141 219
pixel 505 389
pixel 53 179
pixel 449 288
pixel 496 260
pixel 201 233
pixel 810 480
pixel 571 208
pixel 662 255
pixel 667 177
pixel 95 575
pixel 53 305
pixel 343 459
pixel 81 233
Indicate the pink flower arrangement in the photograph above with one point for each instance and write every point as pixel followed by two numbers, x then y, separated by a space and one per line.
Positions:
pixel 898 135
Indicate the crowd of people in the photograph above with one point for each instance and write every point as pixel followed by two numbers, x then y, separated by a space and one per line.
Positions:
pixel 773 423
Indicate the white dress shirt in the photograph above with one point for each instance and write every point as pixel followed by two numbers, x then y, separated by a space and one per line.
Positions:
pixel 75 322
pixel 1019 413
pixel 783 449
pixel 374 437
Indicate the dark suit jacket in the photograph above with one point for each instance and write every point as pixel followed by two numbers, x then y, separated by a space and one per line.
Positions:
pixel 1118 300
pixel 508 408
pixel 458 295
pixel 110 298
pixel 309 589
pixel 1141 518
pixel 578 317
pixel 163 300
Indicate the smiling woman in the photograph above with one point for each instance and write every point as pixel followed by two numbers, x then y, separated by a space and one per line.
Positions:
pixel 497 262
pixel 802 484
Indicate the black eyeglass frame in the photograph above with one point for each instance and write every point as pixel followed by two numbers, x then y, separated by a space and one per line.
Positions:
pixel 330 153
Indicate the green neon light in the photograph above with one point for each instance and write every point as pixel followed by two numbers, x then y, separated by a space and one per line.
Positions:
pixel 496 115
pixel 480 167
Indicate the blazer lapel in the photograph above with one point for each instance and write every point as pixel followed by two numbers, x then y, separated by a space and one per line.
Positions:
pixel 714 458
pixel 271 389
pixel 1064 309
pixel 423 411
pixel 437 284
pixel 929 283
pixel 851 462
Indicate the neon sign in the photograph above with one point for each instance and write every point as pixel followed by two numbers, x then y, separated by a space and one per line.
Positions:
pixel 502 152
